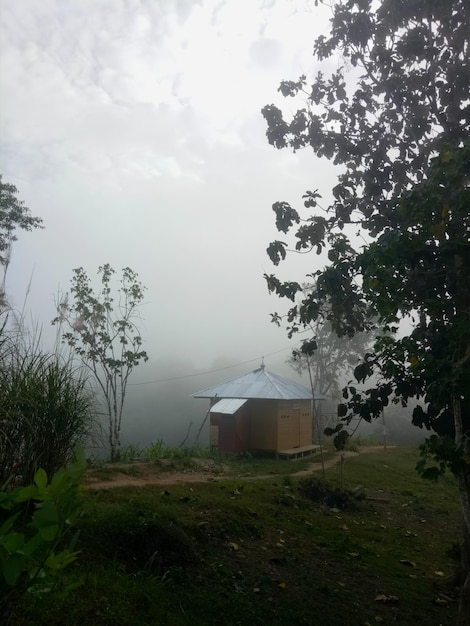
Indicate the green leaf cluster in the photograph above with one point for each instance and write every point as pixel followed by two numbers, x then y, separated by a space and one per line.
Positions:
pixel 13 215
pixel 438 455
pixel 396 117
pixel 36 521
pixel 100 325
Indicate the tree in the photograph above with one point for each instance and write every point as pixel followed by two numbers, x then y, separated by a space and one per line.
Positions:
pixel 329 361
pixel 396 117
pixel 328 367
pixel 13 215
pixel 329 358
pixel 103 333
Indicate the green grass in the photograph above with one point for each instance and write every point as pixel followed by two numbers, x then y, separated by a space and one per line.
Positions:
pixel 46 409
pixel 160 450
pixel 245 551
pixel 242 466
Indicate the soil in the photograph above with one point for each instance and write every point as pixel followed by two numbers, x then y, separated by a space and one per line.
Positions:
pixel 140 474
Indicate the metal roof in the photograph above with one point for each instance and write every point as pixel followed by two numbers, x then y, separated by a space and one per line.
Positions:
pixel 227 406
pixel 258 384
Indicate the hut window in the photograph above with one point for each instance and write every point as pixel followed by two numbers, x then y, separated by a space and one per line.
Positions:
pixel 296 405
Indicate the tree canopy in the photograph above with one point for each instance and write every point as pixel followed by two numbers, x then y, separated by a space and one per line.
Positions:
pixel 13 215
pixel 334 357
pixel 395 117
pixel 100 326
pixel 401 134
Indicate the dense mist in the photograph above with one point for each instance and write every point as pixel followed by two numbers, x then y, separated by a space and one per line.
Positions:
pixel 165 409
pixel 160 405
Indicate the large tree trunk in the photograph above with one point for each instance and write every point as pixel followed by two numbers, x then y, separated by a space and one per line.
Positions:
pixel 463 573
pixel 463 577
pixel 463 580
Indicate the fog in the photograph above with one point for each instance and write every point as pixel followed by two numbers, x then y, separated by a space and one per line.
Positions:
pixel 133 129
pixel 165 409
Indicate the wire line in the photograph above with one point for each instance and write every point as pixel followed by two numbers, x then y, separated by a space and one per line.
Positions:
pixel 220 369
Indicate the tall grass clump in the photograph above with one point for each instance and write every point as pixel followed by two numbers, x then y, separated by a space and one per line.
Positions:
pixel 45 409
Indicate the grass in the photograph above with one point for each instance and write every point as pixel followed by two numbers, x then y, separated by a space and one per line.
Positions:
pixel 243 465
pixel 243 551
pixel 46 409
pixel 160 450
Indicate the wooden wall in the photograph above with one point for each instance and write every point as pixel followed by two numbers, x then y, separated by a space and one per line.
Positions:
pixel 269 425
pixel 263 424
pixel 230 433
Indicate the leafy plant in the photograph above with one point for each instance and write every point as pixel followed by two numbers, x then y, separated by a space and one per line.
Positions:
pixel 438 455
pixel 103 333
pixel 131 453
pixel 13 215
pixel 33 547
pixel 45 410
pixel 156 450
pixel 396 232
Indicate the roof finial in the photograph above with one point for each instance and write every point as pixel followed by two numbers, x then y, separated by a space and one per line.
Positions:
pixel 262 363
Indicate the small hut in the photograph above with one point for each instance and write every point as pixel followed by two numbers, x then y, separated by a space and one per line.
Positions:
pixel 260 411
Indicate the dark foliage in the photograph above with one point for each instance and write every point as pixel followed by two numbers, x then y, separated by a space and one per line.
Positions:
pixel 325 495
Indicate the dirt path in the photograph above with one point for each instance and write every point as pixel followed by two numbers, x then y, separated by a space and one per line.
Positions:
pixel 140 474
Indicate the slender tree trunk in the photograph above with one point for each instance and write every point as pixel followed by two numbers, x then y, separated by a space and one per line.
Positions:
pixel 115 440
pixel 463 578
pixel 112 454
pixel 316 418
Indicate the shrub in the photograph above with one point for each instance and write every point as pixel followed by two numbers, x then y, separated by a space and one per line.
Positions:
pixel 34 524
pixel 323 494
pixel 45 409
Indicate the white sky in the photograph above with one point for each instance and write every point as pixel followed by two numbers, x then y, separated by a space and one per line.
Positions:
pixel 133 128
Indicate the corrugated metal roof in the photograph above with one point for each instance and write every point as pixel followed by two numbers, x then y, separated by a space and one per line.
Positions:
pixel 227 406
pixel 258 384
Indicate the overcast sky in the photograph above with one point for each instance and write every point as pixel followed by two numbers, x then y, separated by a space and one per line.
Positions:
pixel 133 128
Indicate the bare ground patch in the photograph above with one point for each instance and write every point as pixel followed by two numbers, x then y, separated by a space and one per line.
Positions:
pixel 142 473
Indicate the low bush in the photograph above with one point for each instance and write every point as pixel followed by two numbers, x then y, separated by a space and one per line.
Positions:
pixel 325 495
pixel 45 410
pixel 35 526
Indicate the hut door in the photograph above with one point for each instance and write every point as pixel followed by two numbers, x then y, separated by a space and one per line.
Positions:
pixel 289 429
